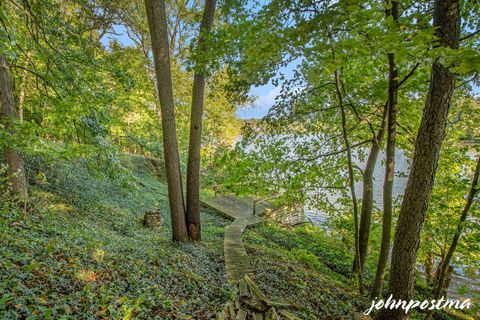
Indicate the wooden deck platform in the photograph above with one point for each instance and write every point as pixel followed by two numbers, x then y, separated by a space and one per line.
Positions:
pixel 240 210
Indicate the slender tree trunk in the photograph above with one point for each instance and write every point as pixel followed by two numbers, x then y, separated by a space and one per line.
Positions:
pixel 429 268
pixel 157 24
pixel 151 75
pixel 150 68
pixel 8 115
pixel 446 17
pixel 367 196
pixel 446 281
pixel 173 36
pixel 351 178
pixel 21 96
pixel 193 168
pixel 445 265
pixel 389 167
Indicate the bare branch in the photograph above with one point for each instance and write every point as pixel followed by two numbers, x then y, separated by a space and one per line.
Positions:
pixel 332 153
pixel 409 74
pixel 470 35
pixel 45 81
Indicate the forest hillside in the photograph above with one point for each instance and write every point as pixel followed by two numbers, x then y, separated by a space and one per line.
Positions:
pixel 240 159
pixel 83 252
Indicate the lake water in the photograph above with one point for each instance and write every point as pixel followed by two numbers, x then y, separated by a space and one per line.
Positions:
pixel 399 184
pixel 318 218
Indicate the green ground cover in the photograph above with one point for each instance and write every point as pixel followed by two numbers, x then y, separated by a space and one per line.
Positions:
pixel 81 252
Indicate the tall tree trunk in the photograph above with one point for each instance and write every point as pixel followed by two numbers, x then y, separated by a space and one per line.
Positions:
pixel 151 75
pixel 351 177
pixel 21 96
pixel 429 268
pixel 193 168
pixel 8 115
pixel 445 265
pixel 446 17
pixel 389 166
pixel 367 196
pixel 173 36
pixel 157 24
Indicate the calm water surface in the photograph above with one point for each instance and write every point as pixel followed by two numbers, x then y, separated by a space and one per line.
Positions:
pixel 459 280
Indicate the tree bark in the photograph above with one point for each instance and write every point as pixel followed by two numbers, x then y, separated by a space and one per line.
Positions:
pixel 441 285
pixel 367 196
pixel 446 17
pixel 157 24
pixel 21 96
pixel 193 167
pixel 429 268
pixel 173 36
pixel 351 179
pixel 8 115
pixel 389 166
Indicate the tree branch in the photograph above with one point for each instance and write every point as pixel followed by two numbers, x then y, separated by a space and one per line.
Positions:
pixel 332 153
pixel 409 74
pixel 470 35
pixel 39 76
